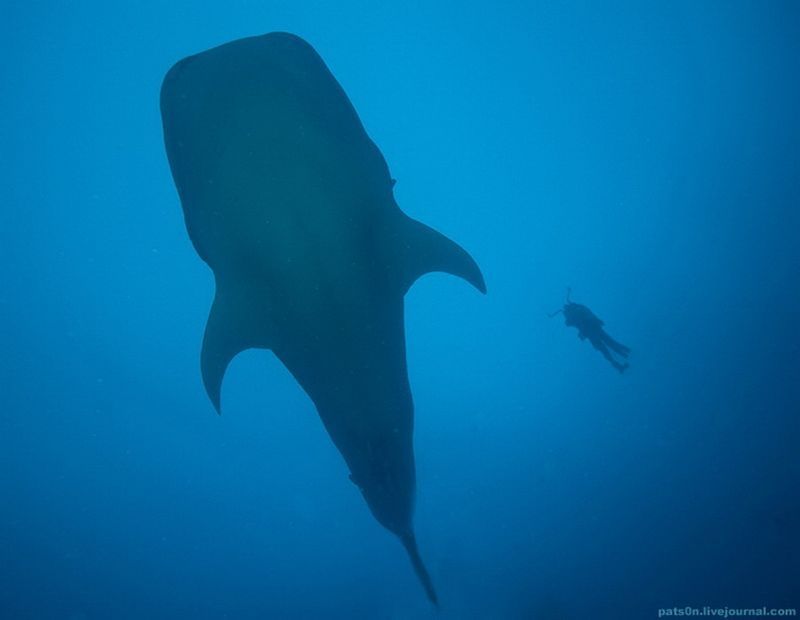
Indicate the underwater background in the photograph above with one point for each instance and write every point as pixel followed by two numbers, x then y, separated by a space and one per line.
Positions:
pixel 645 154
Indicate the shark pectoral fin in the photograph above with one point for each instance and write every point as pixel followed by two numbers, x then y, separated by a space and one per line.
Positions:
pixel 231 329
pixel 425 250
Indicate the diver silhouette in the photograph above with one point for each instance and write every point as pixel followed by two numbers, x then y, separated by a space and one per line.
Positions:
pixel 590 327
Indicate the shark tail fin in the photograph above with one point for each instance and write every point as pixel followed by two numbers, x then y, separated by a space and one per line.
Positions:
pixel 231 329
pixel 410 543
pixel 425 250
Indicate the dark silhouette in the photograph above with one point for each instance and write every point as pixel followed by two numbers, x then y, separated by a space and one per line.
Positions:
pixel 590 327
pixel 291 205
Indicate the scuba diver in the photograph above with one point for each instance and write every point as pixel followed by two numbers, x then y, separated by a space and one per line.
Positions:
pixel 589 326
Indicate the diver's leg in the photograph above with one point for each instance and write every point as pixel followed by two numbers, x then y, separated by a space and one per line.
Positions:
pixel 600 346
pixel 617 347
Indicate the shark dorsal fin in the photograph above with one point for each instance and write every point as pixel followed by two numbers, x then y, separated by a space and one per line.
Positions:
pixel 425 250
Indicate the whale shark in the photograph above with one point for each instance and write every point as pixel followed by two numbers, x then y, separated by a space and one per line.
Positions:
pixel 291 205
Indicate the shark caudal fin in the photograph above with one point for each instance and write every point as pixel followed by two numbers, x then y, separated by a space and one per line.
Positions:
pixel 410 543
pixel 423 250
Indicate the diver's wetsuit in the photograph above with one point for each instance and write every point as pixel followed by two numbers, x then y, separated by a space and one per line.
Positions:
pixel 589 326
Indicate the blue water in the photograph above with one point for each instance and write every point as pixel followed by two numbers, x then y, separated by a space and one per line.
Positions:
pixel 647 156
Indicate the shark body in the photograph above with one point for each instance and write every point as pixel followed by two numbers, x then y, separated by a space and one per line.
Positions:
pixel 291 204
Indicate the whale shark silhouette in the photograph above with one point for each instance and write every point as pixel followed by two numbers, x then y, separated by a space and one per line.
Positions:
pixel 291 204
